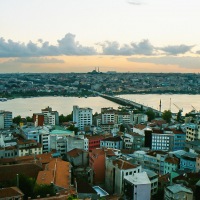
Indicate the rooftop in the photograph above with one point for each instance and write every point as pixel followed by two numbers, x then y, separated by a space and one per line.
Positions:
pixel 138 178
pixel 176 188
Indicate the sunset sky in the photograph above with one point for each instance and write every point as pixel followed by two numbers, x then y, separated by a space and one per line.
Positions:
pixel 114 35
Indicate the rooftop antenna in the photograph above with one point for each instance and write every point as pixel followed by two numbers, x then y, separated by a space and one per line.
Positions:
pixel 170 103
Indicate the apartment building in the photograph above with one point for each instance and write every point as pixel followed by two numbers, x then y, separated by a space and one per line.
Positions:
pixel 82 117
pixel 137 187
pixel 116 170
pixel 5 119
pixel 112 142
pixel 50 117
pixel 192 132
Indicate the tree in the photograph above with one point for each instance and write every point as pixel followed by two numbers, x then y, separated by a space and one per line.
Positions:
pixel 29 119
pixel 122 128
pixel 151 115
pixel 167 115
pixel 17 119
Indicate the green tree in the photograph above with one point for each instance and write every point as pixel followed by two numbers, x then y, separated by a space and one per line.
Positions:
pixel 167 115
pixel 17 119
pixel 29 119
pixel 151 115
pixel 122 128
pixel 43 190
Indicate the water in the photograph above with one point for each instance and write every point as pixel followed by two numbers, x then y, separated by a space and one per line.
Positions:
pixel 64 105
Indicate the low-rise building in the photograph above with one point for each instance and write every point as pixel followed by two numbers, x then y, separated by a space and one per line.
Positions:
pixel 112 142
pixel 178 191
pixel 171 164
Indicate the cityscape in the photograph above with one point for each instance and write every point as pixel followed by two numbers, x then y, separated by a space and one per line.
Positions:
pixel 99 100
pixel 114 154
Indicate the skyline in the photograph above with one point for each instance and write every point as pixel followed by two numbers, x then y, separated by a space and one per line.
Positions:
pixel 77 36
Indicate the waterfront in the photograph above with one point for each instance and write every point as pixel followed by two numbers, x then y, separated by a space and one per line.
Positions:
pixel 64 105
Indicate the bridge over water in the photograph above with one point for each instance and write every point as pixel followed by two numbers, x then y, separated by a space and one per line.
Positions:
pixel 126 102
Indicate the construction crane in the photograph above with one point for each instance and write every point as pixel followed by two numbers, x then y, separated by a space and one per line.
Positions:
pixel 194 108
pixel 180 110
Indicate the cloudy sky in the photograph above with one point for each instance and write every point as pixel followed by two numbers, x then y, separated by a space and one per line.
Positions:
pixel 79 35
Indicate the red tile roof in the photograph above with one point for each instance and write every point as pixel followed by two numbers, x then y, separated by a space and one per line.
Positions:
pixel 75 152
pixel 56 172
pixel 122 164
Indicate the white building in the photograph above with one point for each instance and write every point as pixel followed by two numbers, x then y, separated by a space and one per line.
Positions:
pixel 82 117
pixel 116 170
pixel 50 117
pixel 137 186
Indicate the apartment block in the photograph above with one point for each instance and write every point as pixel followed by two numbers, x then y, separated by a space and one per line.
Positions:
pixel 5 119
pixel 82 117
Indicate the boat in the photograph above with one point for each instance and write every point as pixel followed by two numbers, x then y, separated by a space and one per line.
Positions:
pixel 3 99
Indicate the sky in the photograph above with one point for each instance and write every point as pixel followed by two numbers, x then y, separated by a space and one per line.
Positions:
pixel 114 35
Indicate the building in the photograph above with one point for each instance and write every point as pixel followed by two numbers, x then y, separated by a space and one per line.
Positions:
pixel 93 141
pixel 77 157
pixel 112 142
pixel 177 192
pixel 82 117
pixel 133 141
pixel 153 177
pixel 188 161
pixel 171 164
pixel 193 146
pixel 40 134
pixel 116 170
pixel 28 147
pixel 5 119
pixel 50 117
pixel 192 132
pixel 140 118
pixel 154 161
pixel 38 119
pixel 198 163
pixel 97 164
pixel 162 141
pixel 58 173
pixel 137 187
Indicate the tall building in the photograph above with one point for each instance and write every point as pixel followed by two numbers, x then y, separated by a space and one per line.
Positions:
pixel 50 117
pixel 5 119
pixel 82 117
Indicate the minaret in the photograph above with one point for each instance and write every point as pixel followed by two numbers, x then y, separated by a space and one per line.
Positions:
pixel 160 105
pixel 98 69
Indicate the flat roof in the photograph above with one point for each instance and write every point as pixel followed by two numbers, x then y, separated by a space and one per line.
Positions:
pixel 138 178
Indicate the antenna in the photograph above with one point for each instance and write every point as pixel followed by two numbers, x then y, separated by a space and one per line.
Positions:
pixel 170 104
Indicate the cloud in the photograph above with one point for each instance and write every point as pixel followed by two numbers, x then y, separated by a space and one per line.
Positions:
pixel 177 49
pixel 66 46
pixel 142 48
pixel 134 2
pixel 40 60
pixel 188 62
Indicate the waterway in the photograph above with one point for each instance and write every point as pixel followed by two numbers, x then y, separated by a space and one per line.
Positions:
pixel 64 105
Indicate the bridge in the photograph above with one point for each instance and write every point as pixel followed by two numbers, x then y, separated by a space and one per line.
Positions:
pixel 126 102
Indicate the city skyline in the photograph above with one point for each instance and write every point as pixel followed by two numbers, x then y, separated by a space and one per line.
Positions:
pixel 77 36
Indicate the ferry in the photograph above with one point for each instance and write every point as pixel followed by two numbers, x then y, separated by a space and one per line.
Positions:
pixel 3 99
